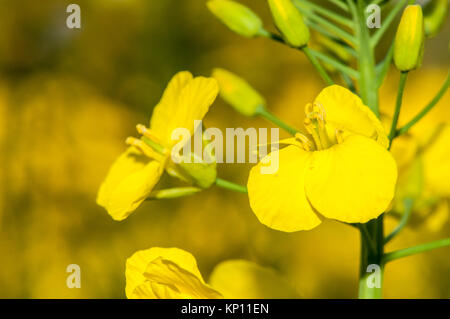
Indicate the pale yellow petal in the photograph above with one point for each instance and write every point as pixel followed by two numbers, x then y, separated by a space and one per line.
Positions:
pixel 127 163
pixel 165 273
pixel 128 183
pixel 184 101
pixel 278 199
pixel 345 110
pixel 241 279
pixel 352 182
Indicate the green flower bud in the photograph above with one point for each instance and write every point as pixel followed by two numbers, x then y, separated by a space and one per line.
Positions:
pixel 238 93
pixel 410 39
pixel 174 192
pixel 435 13
pixel 289 21
pixel 237 17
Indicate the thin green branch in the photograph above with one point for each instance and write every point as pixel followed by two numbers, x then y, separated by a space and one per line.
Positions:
pixel 427 108
pixel 344 35
pixel 348 81
pixel 398 106
pixel 309 7
pixel 387 22
pixel 275 120
pixel 383 67
pixel 339 4
pixel 230 185
pixel 312 58
pixel 408 204
pixel 338 65
pixel 415 250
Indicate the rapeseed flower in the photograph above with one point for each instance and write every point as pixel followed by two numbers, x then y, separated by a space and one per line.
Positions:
pixel 172 273
pixel 340 170
pixel 134 174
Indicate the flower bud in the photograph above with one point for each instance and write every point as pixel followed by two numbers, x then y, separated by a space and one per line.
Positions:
pixel 238 93
pixel 289 21
pixel 237 17
pixel 435 13
pixel 410 39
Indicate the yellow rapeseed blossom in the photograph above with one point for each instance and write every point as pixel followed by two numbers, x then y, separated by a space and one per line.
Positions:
pixel 340 170
pixel 134 174
pixel 172 273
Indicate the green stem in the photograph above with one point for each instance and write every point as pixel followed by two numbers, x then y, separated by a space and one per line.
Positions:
pixel 398 106
pixel 365 234
pixel 371 257
pixel 408 204
pixel 275 120
pixel 317 65
pixel 366 59
pixel 427 108
pixel 369 94
pixel 416 250
pixel 230 185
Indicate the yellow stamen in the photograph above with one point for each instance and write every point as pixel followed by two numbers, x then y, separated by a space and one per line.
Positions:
pixel 144 148
pixel 312 131
pixel 306 143
pixel 143 130
pixel 315 125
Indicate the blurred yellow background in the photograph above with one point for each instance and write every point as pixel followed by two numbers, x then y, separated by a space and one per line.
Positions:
pixel 68 100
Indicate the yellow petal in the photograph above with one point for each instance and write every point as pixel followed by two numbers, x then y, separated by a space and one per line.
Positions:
pixel 165 273
pixel 128 183
pixel 184 101
pixel 346 111
pixel 279 200
pixel 352 182
pixel 241 279
pixel 437 164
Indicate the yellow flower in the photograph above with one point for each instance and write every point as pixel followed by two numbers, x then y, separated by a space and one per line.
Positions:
pixel 134 174
pixel 172 273
pixel 342 171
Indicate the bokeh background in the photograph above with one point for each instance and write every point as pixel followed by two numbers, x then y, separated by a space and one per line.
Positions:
pixel 68 100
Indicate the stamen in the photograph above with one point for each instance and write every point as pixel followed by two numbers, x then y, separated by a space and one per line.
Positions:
pixel 306 143
pixel 144 148
pixel 147 133
pixel 312 130
pixel 315 124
